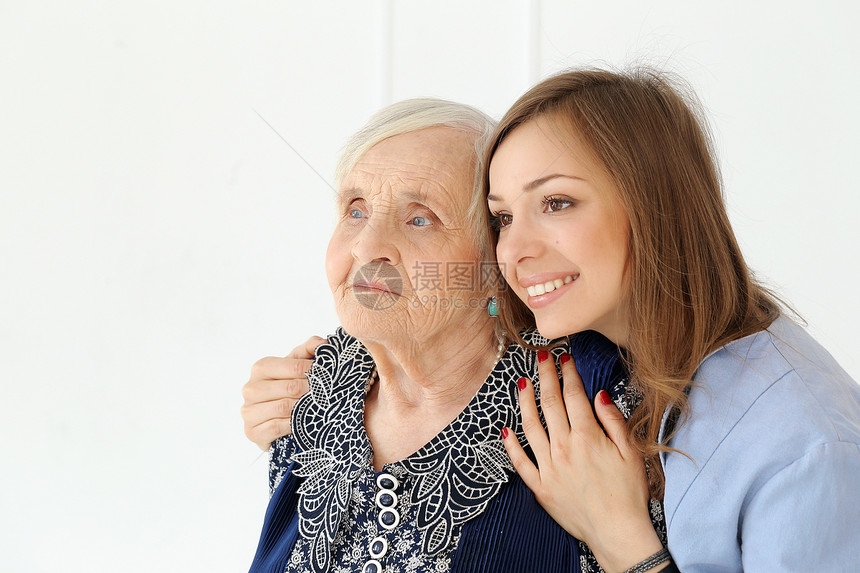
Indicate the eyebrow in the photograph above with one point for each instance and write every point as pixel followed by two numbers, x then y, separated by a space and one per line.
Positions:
pixel 538 182
pixel 419 196
pixel 346 197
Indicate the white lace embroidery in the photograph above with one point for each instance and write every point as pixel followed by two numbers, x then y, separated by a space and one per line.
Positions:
pixel 455 475
pixel 448 482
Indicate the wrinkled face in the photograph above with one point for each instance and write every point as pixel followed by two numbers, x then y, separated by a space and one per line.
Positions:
pixel 563 234
pixel 402 259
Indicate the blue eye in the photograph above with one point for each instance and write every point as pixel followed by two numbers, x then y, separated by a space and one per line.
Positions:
pixel 356 213
pixel 420 221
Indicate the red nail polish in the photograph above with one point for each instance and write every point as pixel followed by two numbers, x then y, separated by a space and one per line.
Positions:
pixel 542 355
pixel 604 397
pixel 521 384
pixel 504 433
pixel 565 358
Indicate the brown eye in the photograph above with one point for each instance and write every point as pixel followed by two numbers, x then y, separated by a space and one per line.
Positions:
pixel 500 220
pixel 553 204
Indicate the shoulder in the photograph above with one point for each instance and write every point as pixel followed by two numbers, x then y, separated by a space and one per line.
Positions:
pixel 772 377
pixel 336 362
pixel 757 406
pixel 339 348
pixel 337 380
pixel 598 361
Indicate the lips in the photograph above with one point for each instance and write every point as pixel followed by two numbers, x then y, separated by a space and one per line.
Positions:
pixel 538 289
pixel 377 278
pixel 373 286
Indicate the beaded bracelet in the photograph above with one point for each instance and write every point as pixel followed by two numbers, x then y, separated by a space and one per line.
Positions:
pixel 660 557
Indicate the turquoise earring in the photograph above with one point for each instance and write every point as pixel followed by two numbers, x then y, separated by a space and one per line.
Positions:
pixel 493 307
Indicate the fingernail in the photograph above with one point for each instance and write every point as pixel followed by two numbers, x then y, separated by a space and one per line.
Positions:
pixel 565 358
pixel 504 433
pixel 521 384
pixel 604 397
pixel 542 355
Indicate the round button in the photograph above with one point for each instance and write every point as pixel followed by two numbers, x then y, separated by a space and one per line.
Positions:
pixel 386 498
pixel 389 518
pixel 372 566
pixel 378 547
pixel 387 481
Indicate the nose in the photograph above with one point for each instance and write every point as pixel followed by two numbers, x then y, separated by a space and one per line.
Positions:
pixel 375 243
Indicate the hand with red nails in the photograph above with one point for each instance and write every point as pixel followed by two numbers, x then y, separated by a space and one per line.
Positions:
pixel 271 393
pixel 591 482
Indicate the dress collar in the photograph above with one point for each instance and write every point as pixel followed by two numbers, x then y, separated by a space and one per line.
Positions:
pixel 454 476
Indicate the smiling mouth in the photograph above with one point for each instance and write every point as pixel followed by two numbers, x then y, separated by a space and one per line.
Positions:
pixel 549 286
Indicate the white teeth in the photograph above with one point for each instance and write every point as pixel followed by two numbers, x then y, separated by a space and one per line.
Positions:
pixel 549 286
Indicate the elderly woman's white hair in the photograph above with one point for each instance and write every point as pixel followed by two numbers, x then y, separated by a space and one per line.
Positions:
pixel 420 113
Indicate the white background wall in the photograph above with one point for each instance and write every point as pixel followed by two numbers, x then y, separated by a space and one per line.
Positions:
pixel 156 236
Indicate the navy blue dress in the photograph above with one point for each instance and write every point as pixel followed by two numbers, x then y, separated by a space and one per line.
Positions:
pixel 456 505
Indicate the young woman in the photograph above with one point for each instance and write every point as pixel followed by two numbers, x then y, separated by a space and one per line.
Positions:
pixel 608 215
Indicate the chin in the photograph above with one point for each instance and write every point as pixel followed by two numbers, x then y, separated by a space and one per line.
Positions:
pixel 552 328
pixel 365 324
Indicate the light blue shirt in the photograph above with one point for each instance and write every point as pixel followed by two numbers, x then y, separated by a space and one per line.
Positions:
pixel 774 480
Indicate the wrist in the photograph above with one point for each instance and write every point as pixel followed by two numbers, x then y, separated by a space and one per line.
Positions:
pixel 653 563
pixel 625 551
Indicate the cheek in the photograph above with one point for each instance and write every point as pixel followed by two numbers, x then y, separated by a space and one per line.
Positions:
pixel 337 261
pixel 617 229
pixel 618 244
pixel 613 261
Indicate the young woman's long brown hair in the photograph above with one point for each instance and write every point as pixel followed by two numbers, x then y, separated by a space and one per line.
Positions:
pixel 689 289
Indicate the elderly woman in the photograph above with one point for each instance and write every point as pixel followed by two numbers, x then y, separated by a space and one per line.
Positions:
pixel 395 462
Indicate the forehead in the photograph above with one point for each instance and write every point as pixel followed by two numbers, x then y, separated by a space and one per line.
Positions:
pixel 435 162
pixel 541 143
pixel 538 153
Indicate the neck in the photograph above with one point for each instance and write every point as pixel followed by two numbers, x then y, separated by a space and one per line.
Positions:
pixel 423 386
pixel 435 370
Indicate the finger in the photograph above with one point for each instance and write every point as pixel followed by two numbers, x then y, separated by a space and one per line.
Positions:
pixel 269 431
pixel 275 368
pixel 614 423
pixel 532 428
pixel 579 412
pixel 307 348
pixel 551 401
pixel 256 414
pixel 522 464
pixel 256 391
